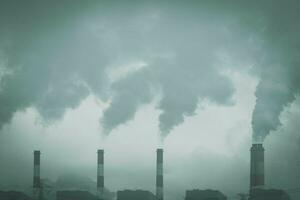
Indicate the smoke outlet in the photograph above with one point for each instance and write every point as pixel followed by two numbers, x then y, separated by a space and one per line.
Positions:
pixel 100 174
pixel 37 185
pixel 257 168
pixel 159 174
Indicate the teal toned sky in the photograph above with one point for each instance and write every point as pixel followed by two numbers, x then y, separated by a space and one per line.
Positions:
pixel 205 78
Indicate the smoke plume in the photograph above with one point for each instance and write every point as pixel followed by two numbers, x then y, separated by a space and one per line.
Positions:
pixel 280 71
pixel 56 62
pixel 54 54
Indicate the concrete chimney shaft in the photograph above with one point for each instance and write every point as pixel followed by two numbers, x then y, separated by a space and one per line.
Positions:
pixel 257 168
pixel 159 174
pixel 36 169
pixel 37 184
pixel 100 174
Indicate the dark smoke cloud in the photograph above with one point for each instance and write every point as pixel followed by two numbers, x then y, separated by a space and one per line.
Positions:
pixel 55 54
pixel 181 66
pixel 280 70
pixel 53 60
pixel 283 144
pixel 56 61
pixel 273 93
pixel 129 93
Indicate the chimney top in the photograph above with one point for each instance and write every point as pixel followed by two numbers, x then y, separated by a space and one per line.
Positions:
pixel 100 150
pixel 37 152
pixel 257 146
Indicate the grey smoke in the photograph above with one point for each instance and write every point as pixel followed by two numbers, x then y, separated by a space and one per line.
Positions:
pixel 181 66
pixel 273 93
pixel 280 71
pixel 129 93
pixel 59 61
pixel 53 60
pixel 54 54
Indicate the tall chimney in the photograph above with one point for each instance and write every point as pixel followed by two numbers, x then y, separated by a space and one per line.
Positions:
pixel 257 168
pixel 36 175
pixel 100 174
pixel 159 175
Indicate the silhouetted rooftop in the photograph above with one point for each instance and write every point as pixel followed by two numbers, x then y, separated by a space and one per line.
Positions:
pixel 135 195
pixel 204 195
pixel 13 195
pixel 75 195
pixel 271 194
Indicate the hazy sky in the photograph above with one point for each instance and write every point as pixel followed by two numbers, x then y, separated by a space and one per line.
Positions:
pixel 208 77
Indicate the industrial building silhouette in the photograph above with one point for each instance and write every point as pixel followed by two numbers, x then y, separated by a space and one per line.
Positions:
pixel 204 195
pixel 257 189
pixel 135 195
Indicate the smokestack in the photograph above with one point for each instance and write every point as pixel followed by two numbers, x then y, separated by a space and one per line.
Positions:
pixel 159 175
pixel 257 168
pixel 36 175
pixel 36 170
pixel 100 174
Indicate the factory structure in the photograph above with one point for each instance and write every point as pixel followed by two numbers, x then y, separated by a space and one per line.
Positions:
pixel 100 174
pixel 197 194
pixel 159 175
pixel 257 190
pixel 37 184
pixel 257 167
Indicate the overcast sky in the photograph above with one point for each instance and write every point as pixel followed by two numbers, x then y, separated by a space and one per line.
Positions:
pixel 205 79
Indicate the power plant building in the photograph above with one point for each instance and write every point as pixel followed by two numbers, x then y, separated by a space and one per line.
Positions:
pixel 95 190
pixel 75 195
pixel 135 195
pixel 270 194
pixel 13 195
pixel 204 195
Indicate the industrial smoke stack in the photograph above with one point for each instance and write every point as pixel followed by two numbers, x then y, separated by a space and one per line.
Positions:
pixel 100 174
pixel 257 168
pixel 159 174
pixel 36 175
